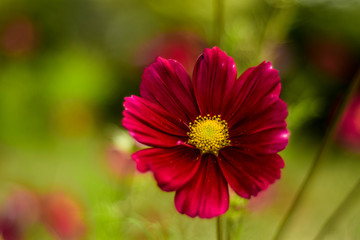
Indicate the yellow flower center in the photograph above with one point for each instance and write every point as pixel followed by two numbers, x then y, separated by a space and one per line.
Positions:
pixel 209 134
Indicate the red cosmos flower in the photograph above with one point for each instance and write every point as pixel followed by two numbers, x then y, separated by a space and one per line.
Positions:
pixel 210 131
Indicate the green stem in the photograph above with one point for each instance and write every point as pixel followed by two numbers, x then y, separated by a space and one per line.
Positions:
pixel 316 163
pixel 218 21
pixel 219 228
pixel 352 199
pixel 276 29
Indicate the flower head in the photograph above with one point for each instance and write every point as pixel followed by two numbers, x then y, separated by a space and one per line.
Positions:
pixel 210 131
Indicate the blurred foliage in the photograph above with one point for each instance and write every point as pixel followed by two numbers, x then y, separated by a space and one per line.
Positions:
pixel 66 65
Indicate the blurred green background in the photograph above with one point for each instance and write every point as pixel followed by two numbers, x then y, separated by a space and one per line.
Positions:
pixel 66 65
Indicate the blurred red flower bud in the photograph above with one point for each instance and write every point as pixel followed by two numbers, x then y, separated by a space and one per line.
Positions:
pixel 63 216
pixel 333 57
pixel 19 36
pixel 19 210
pixel 183 46
pixel 349 129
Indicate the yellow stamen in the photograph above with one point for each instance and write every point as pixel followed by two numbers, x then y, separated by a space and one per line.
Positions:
pixel 209 134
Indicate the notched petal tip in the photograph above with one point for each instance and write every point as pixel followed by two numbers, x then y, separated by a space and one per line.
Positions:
pixel 151 125
pixel 206 194
pixel 215 48
pixel 172 167
pixel 140 165
pixel 284 138
pixel 248 174
pixel 166 83
pixel 213 77
pixel 254 91
pixel 266 66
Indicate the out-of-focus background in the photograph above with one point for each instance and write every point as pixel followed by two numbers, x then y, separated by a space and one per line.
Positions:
pixel 66 65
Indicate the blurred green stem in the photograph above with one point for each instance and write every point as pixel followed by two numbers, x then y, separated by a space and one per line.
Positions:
pixel 276 28
pixel 219 228
pixel 318 159
pixel 345 207
pixel 218 21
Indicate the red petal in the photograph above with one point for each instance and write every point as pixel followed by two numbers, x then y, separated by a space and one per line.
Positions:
pixel 265 142
pixel 206 194
pixel 272 117
pixel 213 77
pixel 263 133
pixel 172 167
pixel 166 82
pixel 248 174
pixel 151 125
pixel 254 91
